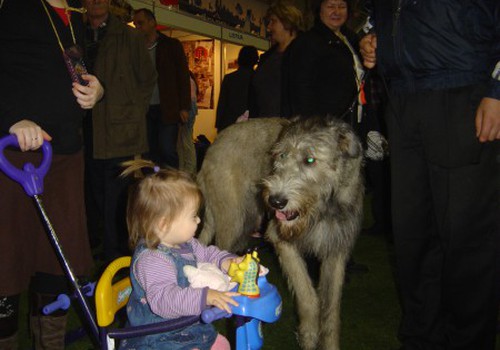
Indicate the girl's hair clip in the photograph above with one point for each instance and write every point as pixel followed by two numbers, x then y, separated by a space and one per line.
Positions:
pixel 156 168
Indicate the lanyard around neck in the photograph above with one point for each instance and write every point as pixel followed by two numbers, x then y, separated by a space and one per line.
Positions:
pixel 54 27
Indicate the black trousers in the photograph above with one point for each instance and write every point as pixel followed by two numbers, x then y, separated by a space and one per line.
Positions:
pixel 162 139
pixel 106 201
pixel 445 220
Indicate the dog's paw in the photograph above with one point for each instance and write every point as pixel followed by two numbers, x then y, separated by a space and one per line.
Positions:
pixel 329 343
pixel 308 340
pixel 329 335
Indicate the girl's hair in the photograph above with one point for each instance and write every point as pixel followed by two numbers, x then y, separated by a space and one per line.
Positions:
pixel 289 15
pixel 159 194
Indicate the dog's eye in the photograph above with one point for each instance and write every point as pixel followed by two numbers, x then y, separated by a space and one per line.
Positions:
pixel 283 155
pixel 309 160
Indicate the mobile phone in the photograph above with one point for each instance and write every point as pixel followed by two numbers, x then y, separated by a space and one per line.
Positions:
pixel 73 58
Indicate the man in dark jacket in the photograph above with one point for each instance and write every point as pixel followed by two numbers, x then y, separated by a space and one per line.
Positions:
pixel 438 59
pixel 116 129
pixel 171 100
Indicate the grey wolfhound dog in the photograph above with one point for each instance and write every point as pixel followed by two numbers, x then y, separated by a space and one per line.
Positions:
pixel 308 172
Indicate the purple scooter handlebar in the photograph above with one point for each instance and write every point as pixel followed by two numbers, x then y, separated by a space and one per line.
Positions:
pixel 29 177
pixel 63 302
pixel 213 314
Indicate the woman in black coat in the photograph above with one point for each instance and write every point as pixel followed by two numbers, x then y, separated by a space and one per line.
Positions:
pixel 321 68
pixel 285 22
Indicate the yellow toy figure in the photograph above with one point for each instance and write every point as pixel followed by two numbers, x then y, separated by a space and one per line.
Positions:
pixel 246 274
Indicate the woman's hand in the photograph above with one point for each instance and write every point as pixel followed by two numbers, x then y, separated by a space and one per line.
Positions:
pixel 88 96
pixel 184 116
pixel 221 299
pixel 29 135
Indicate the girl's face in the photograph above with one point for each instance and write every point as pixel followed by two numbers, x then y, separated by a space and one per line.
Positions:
pixel 276 29
pixel 182 229
pixel 333 14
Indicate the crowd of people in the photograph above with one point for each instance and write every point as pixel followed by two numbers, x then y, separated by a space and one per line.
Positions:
pixel 421 83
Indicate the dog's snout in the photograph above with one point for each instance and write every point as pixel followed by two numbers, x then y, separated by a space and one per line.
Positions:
pixel 277 202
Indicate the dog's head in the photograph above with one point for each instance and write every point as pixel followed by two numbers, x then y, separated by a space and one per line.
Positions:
pixel 316 163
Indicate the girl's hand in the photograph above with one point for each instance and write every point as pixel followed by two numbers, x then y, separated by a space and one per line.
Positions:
pixel 226 263
pixel 29 135
pixel 88 96
pixel 221 299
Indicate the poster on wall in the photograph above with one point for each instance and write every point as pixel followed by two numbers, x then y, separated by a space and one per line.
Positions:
pixel 200 56
pixel 247 15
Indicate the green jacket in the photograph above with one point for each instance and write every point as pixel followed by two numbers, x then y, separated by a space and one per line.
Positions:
pixel 124 68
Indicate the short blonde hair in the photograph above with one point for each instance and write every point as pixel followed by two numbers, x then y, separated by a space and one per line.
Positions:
pixel 289 15
pixel 161 194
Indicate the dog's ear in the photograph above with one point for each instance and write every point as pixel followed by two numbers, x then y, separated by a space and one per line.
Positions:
pixel 348 142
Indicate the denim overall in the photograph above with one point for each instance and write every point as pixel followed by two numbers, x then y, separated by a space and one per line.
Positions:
pixel 198 335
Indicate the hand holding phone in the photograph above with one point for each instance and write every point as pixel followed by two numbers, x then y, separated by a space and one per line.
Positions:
pixel 73 58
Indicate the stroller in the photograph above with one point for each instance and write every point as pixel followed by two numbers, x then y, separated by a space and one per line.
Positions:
pixel 110 296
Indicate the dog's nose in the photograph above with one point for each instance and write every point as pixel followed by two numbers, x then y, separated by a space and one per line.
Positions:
pixel 277 202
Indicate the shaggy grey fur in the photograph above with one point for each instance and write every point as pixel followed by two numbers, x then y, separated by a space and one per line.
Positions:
pixel 308 172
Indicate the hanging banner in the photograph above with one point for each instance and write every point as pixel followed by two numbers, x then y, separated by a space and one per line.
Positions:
pixel 246 15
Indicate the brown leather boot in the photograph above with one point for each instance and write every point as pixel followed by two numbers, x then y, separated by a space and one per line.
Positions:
pixel 9 343
pixel 48 331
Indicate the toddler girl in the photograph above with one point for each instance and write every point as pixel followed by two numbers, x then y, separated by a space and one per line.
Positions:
pixel 162 220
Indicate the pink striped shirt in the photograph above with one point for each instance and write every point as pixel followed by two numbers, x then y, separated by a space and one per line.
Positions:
pixel 157 275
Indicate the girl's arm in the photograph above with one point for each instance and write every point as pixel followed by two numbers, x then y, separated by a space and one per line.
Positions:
pixel 211 254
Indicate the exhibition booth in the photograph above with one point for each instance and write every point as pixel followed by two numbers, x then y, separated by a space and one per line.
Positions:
pixel 211 43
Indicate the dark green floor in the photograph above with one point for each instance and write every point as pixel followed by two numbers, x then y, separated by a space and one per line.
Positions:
pixel 370 310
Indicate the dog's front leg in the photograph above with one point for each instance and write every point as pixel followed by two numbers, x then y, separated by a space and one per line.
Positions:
pixel 295 269
pixel 330 293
